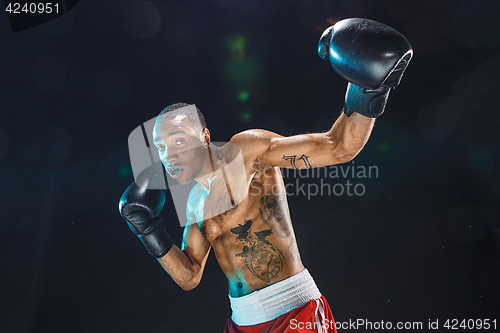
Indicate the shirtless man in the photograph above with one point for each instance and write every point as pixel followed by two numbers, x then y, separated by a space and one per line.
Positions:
pixel 253 238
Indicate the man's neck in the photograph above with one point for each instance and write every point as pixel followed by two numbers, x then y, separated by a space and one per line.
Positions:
pixel 210 164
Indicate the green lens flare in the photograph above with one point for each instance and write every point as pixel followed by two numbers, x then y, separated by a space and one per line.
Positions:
pixel 244 95
pixel 124 171
pixel 241 72
pixel 384 146
pixel 237 44
pixel 246 115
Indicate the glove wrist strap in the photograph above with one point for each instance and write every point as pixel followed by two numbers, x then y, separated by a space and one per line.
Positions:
pixel 369 103
pixel 158 243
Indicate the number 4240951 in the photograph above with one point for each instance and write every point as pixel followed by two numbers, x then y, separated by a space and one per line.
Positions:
pixel 455 324
pixel 32 8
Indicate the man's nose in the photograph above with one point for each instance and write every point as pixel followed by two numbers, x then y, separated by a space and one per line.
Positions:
pixel 171 159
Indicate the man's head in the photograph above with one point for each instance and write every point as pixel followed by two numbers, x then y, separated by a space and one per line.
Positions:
pixel 189 110
pixel 181 136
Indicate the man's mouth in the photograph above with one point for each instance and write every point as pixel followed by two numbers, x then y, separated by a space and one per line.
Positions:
pixel 175 172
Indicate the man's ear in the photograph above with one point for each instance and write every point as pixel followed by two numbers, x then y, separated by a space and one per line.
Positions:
pixel 206 137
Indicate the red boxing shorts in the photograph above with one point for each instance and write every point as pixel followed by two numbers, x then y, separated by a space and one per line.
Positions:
pixel 292 305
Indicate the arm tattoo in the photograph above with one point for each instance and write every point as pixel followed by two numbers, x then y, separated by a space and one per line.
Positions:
pixel 306 161
pixel 292 159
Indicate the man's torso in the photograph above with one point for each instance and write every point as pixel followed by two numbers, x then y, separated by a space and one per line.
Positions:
pixel 253 239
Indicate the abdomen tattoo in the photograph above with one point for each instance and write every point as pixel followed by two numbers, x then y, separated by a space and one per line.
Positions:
pixel 261 257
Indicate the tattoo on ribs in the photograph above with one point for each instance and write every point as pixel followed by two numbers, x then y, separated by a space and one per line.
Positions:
pixel 261 257
pixel 271 212
pixel 292 159
pixel 293 249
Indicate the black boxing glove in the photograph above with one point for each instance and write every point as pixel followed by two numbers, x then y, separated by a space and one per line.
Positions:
pixel 141 205
pixel 371 56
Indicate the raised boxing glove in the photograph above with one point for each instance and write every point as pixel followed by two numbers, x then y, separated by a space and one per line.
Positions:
pixel 141 205
pixel 371 56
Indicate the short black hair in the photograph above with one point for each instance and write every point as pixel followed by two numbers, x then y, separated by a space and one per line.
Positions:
pixel 190 110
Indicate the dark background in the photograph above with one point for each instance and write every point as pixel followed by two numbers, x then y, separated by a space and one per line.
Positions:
pixel 422 242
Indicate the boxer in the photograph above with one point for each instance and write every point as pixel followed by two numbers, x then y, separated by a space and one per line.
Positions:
pixel 253 238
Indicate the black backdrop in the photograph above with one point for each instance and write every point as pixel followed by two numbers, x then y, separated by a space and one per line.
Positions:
pixel 420 244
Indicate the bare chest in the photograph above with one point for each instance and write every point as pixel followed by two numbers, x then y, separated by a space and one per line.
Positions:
pixel 263 202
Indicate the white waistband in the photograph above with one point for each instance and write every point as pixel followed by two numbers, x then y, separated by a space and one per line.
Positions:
pixel 271 302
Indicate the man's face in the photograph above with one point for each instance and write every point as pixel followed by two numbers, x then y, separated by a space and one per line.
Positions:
pixel 180 147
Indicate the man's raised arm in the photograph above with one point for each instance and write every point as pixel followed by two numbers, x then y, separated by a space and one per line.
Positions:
pixel 340 144
pixel 372 57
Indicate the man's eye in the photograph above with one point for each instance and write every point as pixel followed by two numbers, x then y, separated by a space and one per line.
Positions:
pixel 161 148
pixel 180 141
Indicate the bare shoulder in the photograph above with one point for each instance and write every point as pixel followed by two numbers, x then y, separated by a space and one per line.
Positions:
pixel 254 142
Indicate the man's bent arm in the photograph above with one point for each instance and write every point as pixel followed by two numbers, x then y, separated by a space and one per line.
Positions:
pixel 350 134
pixel 186 266
pixel 340 144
